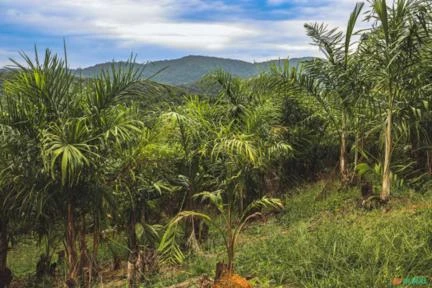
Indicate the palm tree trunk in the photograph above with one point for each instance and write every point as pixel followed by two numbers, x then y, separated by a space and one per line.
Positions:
pixel 132 245
pixel 70 245
pixel 83 259
pixel 231 258
pixel 343 161
pixel 386 183
pixel 93 265
pixel 356 152
pixel 231 241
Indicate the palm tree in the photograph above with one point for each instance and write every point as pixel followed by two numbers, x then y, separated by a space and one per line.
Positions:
pixel 73 125
pixel 25 107
pixel 393 46
pixel 252 127
pixel 76 150
pixel 229 230
pixel 332 81
pixel 141 170
pixel 240 143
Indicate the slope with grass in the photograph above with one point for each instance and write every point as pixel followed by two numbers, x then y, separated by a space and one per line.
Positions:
pixel 328 243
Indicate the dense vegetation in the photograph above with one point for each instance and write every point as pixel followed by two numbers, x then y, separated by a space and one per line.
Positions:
pixel 118 169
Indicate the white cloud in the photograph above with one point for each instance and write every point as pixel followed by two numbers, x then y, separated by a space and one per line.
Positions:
pixel 132 23
pixel 131 20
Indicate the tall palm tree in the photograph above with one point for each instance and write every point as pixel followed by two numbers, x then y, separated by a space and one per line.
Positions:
pixel 393 46
pixel 76 149
pixel 26 107
pixel 72 125
pixel 331 80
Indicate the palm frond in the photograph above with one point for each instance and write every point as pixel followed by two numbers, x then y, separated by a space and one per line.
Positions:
pixel 168 248
pixel 67 150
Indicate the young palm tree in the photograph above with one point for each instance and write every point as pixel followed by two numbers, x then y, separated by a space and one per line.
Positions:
pixel 253 128
pixel 232 224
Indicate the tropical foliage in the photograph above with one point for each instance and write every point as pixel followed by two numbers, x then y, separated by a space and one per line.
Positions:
pixel 121 164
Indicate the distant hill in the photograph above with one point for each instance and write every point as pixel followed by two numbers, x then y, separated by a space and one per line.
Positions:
pixel 190 69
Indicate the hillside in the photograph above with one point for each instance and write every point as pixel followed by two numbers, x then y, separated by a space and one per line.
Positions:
pixel 329 242
pixel 190 69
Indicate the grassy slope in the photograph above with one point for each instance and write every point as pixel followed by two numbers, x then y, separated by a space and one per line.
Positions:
pixel 330 243
pixel 324 243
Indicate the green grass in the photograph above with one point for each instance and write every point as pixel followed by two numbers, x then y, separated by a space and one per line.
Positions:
pixel 330 243
pixel 23 257
pixel 313 243
pixel 359 251
pixel 333 243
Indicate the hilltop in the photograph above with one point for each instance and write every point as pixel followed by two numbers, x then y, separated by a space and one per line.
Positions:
pixel 190 69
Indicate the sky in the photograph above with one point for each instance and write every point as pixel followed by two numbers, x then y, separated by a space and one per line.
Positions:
pixel 98 31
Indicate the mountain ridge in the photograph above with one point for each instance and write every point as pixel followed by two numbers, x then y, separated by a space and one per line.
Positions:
pixel 191 68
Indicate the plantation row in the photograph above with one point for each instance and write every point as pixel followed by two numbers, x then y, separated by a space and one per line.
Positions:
pixel 81 159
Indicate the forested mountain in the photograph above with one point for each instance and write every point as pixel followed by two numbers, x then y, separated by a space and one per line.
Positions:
pixel 190 69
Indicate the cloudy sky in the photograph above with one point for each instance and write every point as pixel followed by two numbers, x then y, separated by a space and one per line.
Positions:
pixel 102 30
